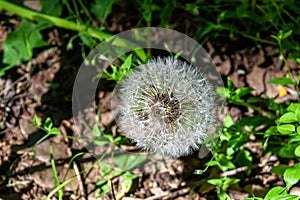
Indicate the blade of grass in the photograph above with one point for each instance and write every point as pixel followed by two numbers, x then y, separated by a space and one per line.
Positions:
pixel 57 183
pixel 70 163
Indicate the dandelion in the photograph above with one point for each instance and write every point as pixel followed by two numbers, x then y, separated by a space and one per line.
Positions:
pixel 166 107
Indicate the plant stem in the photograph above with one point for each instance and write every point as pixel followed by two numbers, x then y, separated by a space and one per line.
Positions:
pixel 56 21
pixel 66 24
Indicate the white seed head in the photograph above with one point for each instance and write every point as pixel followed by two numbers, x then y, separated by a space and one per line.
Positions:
pixel 166 107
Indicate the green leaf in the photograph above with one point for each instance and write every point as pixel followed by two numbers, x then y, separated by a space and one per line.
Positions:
pixel 274 193
pixel 282 81
pixel 48 124
pixel 240 10
pixel 286 151
pixel 36 121
pixel 122 140
pixel 125 67
pixel 102 8
pixel 297 151
pixel 298 115
pixel 286 34
pixel 289 117
pixel 19 44
pixel 215 181
pixel 270 131
pixel 128 162
pixel 223 92
pixel 286 128
pixel 224 163
pixel 207 28
pixel 243 91
pixel 244 158
pixel 230 84
pixel 298 129
pixel 236 142
pixel 87 39
pixel 96 131
pixel 119 72
pixel 279 170
pixel 53 7
pixel 128 181
pixel 291 175
pixel 192 8
pixel 54 131
pixel 254 121
pixel 293 107
pixel 228 121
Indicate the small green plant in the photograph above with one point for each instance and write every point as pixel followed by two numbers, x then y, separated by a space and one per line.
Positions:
pixel 120 166
pixel 279 135
pixel 221 185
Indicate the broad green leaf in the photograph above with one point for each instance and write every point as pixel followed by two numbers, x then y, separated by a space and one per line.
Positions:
pixel 279 193
pixel 274 192
pixel 298 129
pixel 287 150
pixel 294 139
pixel 297 151
pixel 286 128
pixel 293 107
pixel 19 44
pixel 291 175
pixel 243 91
pixel 289 117
pixel 297 115
pixel 282 81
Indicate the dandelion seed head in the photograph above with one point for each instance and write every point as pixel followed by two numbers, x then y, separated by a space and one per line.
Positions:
pixel 166 107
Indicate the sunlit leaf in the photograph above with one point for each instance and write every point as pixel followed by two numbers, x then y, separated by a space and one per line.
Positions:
pixel 291 175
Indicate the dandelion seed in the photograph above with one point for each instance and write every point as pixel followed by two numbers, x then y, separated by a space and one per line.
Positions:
pixel 166 107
